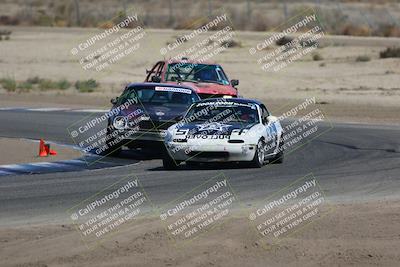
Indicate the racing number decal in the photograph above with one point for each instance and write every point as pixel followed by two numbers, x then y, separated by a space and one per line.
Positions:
pixel 272 137
pixel 182 132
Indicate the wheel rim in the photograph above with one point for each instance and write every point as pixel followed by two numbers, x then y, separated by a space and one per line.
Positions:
pixel 260 152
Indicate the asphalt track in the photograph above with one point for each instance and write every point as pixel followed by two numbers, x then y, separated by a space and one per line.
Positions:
pixel 352 162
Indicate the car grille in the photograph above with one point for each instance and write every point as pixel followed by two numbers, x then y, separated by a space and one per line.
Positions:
pixel 155 125
pixel 209 155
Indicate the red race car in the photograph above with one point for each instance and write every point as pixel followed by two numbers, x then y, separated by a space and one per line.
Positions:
pixel 207 79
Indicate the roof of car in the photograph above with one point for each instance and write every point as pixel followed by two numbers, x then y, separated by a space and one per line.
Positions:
pixel 161 84
pixel 236 100
pixel 189 61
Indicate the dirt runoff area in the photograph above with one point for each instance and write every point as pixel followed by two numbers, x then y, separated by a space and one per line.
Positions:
pixel 16 151
pixel 345 74
pixel 337 239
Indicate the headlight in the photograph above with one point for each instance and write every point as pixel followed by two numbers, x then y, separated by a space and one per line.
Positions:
pixel 120 123
pixel 227 96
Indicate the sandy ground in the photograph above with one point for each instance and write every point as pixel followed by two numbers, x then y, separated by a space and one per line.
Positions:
pixel 351 90
pixel 23 151
pixel 351 235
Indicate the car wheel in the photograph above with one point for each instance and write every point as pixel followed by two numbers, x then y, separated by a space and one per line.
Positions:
pixel 193 164
pixel 112 150
pixel 169 163
pixel 278 159
pixel 259 156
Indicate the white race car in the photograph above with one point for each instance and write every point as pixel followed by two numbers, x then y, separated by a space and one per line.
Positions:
pixel 225 130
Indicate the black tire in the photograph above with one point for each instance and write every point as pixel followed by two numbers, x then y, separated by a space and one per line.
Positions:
pixel 258 160
pixel 278 159
pixel 193 164
pixel 169 163
pixel 112 150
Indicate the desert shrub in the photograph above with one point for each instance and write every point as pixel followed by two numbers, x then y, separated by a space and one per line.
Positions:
pixel 33 80
pixel 60 22
pixel 45 84
pixel 354 30
pixel 363 58
pixel 190 23
pixel 44 20
pixel 334 20
pixel 388 30
pixel 25 86
pixel 259 22
pixel 231 43
pixel 106 25
pixel 7 20
pixel 284 40
pixel 121 15
pixel 317 57
pixel 87 86
pixel 5 32
pixel 36 82
pixel 9 84
pixel 63 84
pixel 390 52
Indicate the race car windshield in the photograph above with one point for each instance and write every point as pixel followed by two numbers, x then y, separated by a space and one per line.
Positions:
pixel 243 114
pixel 196 73
pixel 158 95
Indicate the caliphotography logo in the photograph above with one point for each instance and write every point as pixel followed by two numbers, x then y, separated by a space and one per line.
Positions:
pixel 199 133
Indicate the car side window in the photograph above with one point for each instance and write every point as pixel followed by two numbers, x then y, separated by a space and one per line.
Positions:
pixel 264 114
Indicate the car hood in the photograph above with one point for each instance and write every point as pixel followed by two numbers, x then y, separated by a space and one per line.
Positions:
pixel 214 128
pixel 155 112
pixel 210 88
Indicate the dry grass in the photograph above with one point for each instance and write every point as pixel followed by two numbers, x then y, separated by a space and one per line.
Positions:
pixel 343 18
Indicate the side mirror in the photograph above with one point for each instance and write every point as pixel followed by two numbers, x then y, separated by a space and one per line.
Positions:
pixel 234 82
pixel 114 100
pixel 271 119
pixel 156 79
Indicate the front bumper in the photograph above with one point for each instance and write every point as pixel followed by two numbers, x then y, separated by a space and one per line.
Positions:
pixel 211 152
pixel 150 135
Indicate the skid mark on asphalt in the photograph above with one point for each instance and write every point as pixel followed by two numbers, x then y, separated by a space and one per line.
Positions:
pixel 63 166
pixel 389 150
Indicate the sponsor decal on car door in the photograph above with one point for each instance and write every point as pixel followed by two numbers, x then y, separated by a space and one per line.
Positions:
pixel 271 138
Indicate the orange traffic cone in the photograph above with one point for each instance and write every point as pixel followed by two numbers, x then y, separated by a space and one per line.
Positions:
pixel 47 148
pixel 42 149
pixel 52 152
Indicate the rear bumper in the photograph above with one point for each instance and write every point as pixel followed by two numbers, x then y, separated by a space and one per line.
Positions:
pixel 216 95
